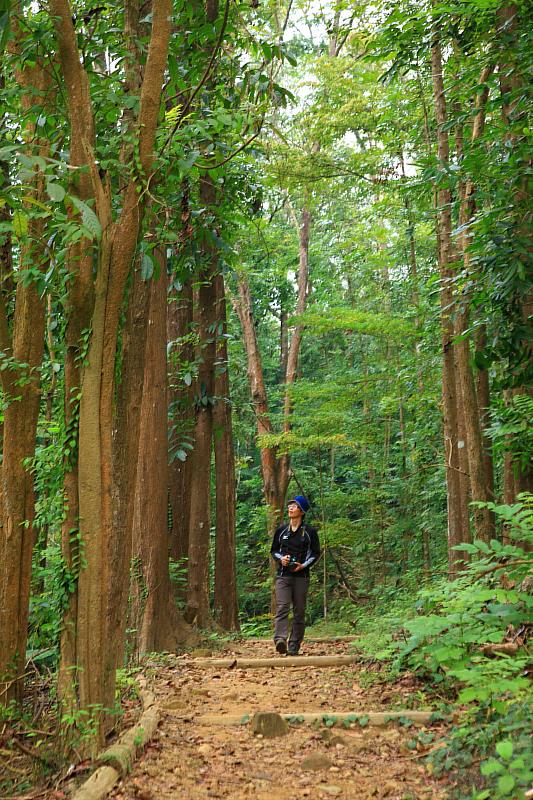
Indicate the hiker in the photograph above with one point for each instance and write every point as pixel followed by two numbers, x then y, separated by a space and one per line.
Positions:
pixel 295 548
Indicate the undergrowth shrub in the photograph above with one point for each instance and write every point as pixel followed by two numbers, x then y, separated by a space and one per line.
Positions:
pixel 468 640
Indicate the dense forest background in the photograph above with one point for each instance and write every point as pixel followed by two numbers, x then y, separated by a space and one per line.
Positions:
pixel 248 251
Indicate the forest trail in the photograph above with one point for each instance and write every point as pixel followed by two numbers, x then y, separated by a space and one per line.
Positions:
pixel 192 760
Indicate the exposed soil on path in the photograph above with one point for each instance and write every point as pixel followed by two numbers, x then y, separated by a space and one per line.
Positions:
pixel 188 759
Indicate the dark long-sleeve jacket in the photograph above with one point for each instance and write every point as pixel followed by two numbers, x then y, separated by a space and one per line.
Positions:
pixel 302 545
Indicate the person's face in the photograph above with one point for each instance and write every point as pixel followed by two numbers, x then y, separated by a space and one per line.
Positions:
pixel 294 511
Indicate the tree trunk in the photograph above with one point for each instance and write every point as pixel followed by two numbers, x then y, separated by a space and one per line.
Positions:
pixel 483 518
pixel 22 340
pixel 283 343
pixel 225 596
pixel 275 469
pixel 159 626
pixel 18 501
pixel 275 479
pixel 127 452
pixel 198 611
pixel 465 495
pixel 179 327
pixel 303 282
pixel 483 401
pixel 457 527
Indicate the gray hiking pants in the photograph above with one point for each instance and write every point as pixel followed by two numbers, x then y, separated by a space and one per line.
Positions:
pixel 290 590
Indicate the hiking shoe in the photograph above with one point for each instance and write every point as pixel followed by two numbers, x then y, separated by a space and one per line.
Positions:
pixel 281 646
pixel 293 651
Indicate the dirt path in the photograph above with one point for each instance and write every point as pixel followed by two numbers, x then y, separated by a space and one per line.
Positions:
pixel 193 761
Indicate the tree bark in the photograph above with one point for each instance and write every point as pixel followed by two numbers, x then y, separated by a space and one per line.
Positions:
pixel 283 342
pixel 225 595
pixel 127 450
pixel 483 401
pixel 458 531
pixel 159 626
pixel 22 346
pixel 483 518
pixel 272 469
pixel 304 229
pixel 179 329
pixel 18 500
pixel 198 605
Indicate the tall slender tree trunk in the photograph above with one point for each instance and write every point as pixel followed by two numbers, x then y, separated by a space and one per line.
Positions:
pixel 274 480
pixel 483 401
pixel 483 518
pixel 283 342
pixel 21 389
pixel 179 327
pixel 458 531
pixel 127 450
pixel 22 340
pixel 159 627
pixel 465 495
pixel 225 595
pixel 198 605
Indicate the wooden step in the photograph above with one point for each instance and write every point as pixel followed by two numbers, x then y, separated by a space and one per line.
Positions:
pixel 374 718
pixel 275 661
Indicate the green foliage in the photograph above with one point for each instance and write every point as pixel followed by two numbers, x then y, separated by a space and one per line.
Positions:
pixel 260 626
pixel 456 618
pixel 450 645
pixel 511 428
pixel 510 766
pixel 344 319
pixel 178 577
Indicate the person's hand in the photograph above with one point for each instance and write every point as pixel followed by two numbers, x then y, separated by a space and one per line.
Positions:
pixel 285 560
pixel 297 566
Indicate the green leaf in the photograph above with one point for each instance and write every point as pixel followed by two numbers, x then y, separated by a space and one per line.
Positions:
pixel 147 267
pixel 491 767
pixel 467 547
pixel 55 192
pixel 34 202
pixel 20 224
pixel 7 152
pixel 506 784
pixel 468 695
pixel 88 217
pixel 505 749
